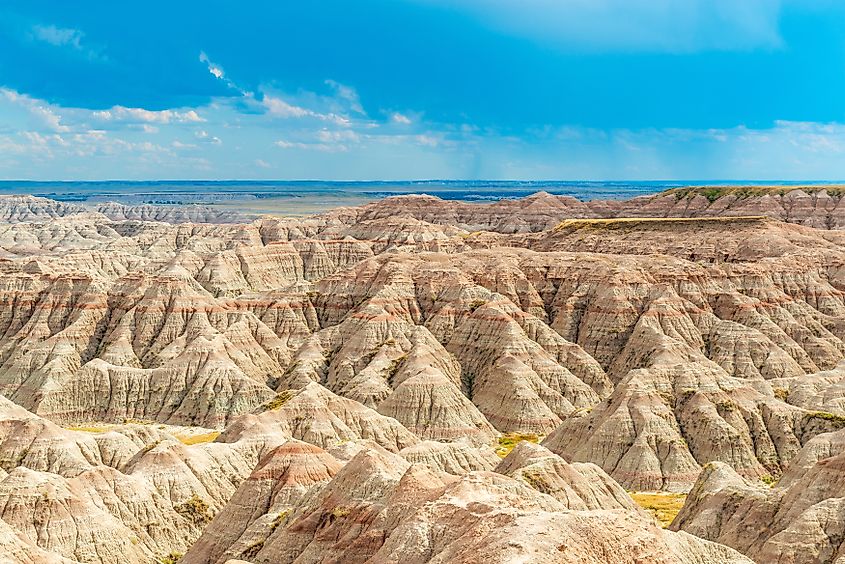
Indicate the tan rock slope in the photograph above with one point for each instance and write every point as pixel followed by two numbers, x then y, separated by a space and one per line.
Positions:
pixel 800 519
pixel 334 388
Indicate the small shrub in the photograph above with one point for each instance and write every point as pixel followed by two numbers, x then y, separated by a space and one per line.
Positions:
pixel 340 511
pixel 837 420
pixel 195 510
pixel 781 393
pixel 726 406
pixel 280 518
pixel 769 480
pixel 281 399
pixel 393 368
pixel 150 447
pixel 537 481
pixel 171 558
pixel 712 194
pixel 475 304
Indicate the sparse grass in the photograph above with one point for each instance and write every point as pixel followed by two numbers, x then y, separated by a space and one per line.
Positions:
pixel 340 511
pixel 252 550
pixel 88 428
pixel 837 420
pixel 281 399
pixel 149 447
pixel 769 480
pixel 133 421
pixel 536 481
pixel 475 304
pixel 634 221
pixel 195 510
pixel 726 406
pixel 394 366
pixel 280 518
pixel 664 506
pixel 198 439
pixel 781 393
pixel 508 441
pixel 171 558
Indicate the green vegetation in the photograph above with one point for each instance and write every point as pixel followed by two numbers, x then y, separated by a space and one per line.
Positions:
pixel 663 506
pixel 394 365
pixel 475 304
pixel 837 420
pixel 713 193
pixel 726 406
pixel 195 510
pixel 508 441
pixel 171 558
pixel 280 518
pixel 340 511
pixel 281 399
pixel 537 481
pixel 781 393
pixel 769 480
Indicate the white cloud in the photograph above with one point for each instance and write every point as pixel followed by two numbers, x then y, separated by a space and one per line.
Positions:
pixel 262 164
pixel 141 115
pixel 321 147
pixel 58 36
pixel 401 119
pixel 39 109
pixel 207 138
pixel 214 69
pixel 280 108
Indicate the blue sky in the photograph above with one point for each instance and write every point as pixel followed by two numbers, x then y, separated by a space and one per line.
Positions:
pixel 400 89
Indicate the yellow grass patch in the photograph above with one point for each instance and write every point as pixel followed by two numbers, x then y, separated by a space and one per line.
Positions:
pixel 198 439
pixel 508 441
pixel 664 506
pixel 88 429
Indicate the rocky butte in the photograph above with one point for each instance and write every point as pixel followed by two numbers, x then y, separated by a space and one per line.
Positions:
pixel 657 380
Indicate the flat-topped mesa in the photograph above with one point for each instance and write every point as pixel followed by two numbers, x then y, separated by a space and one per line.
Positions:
pixel 815 206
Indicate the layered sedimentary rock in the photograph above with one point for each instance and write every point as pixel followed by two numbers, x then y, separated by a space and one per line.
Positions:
pixel 800 519
pixel 380 508
pixel 335 387
pixel 815 206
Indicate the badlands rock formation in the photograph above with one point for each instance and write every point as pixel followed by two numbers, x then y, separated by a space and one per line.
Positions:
pixel 176 386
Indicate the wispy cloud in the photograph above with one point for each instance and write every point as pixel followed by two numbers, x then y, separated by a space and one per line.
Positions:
pixel 64 37
pixel 401 119
pixel 277 106
pixel 626 25
pixel 348 94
